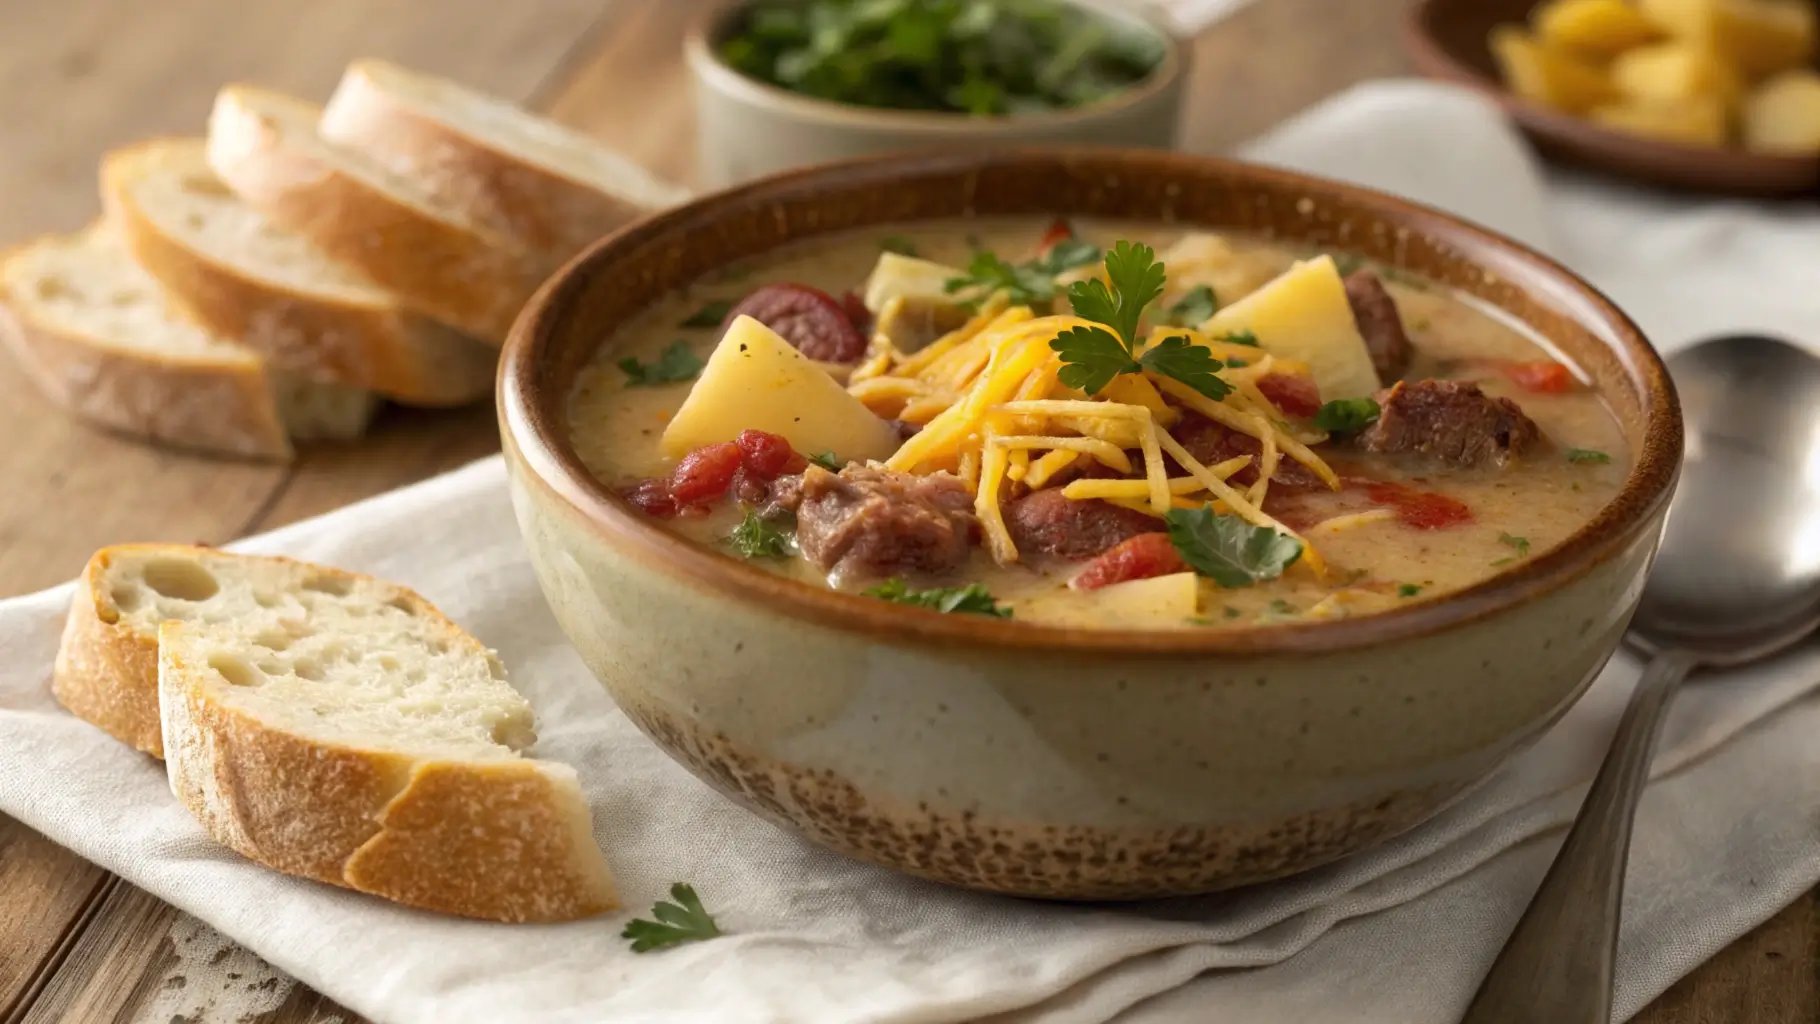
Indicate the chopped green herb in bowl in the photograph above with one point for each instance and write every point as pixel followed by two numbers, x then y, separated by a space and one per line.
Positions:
pixel 973 57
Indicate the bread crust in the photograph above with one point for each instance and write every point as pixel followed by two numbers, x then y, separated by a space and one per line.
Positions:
pixel 460 274
pixel 540 207
pixel 382 348
pixel 106 672
pixel 502 840
pixel 218 405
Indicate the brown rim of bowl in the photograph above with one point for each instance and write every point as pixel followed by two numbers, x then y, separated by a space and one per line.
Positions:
pixel 1438 62
pixel 1177 57
pixel 533 425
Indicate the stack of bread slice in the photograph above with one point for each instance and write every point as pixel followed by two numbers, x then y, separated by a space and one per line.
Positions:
pixel 276 280
pixel 331 726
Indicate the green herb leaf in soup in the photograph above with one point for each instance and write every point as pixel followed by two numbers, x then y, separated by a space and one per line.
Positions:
pixel 1227 549
pixel 710 314
pixel 684 920
pixel 1193 309
pixel 1193 365
pixel 758 537
pixel 971 598
pixel 828 461
pixel 897 244
pixel 676 364
pixel 1091 357
pixel 975 57
pixel 1586 455
pixel 1245 338
pixel 1347 415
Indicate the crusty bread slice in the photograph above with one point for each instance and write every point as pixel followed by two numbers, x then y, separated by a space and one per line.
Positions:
pixel 550 188
pixel 332 726
pixel 434 258
pixel 101 338
pixel 246 278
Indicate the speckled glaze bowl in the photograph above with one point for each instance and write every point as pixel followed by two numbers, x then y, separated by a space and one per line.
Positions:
pixel 746 128
pixel 1020 758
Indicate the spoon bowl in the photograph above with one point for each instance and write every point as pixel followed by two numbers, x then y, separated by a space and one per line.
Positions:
pixel 1737 578
pixel 1738 574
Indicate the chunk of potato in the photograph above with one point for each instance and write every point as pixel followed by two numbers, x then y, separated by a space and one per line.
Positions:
pixel 1549 75
pixel 1676 72
pixel 1599 28
pixel 1700 121
pixel 1202 258
pixel 755 380
pixel 1158 601
pixel 1783 115
pixel 909 278
pixel 1761 37
pixel 1304 315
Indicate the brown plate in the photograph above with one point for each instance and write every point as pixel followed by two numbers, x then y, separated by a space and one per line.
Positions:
pixel 1446 40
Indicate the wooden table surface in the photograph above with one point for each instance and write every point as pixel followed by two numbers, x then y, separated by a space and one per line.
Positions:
pixel 79 76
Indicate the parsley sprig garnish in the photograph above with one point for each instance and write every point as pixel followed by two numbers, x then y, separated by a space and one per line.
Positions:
pixel 1093 356
pixel 1227 549
pixel 828 461
pixel 973 597
pixel 1031 283
pixel 677 363
pixel 685 920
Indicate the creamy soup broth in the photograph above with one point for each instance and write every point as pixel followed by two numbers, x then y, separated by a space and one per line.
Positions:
pixel 1517 511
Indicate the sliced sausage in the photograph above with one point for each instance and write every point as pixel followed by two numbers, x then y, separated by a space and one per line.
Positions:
pixel 808 318
pixel 1046 522
pixel 1451 421
pixel 1380 323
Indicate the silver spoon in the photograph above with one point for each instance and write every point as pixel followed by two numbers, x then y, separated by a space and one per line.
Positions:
pixel 1737 579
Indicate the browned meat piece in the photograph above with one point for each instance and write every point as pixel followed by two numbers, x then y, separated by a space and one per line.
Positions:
pixel 1449 420
pixel 879 522
pixel 1212 442
pixel 1045 522
pixel 1380 323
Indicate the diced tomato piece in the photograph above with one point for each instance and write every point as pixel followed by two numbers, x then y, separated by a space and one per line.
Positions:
pixel 704 474
pixel 652 497
pixel 1293 393
pixel 1060 230
pixel 1422 510
pixel 1542 376
pixel 796 465
pixel 1140 558
pixel 765 454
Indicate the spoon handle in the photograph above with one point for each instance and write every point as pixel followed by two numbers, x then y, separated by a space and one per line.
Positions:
pixel 1558 964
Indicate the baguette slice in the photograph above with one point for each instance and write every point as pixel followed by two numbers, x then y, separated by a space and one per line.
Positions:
pixel 244 277
pixel 100 338
pixel 548 187
pixel 336 727
pixel 434 258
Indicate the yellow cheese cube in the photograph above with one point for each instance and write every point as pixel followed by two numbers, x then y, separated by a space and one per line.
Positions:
pixel 755 380
pixel 1303 315
pixel 1548 75
pixel 1761 37
pixel 1158 601
pixel 1700 121
pixel 1783 115
pixel 1599 28
pixel 1676 72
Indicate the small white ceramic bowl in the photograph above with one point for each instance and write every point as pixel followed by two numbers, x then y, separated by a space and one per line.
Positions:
pixel 748 128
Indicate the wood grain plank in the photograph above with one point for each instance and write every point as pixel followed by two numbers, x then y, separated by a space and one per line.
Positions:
pixel 46 893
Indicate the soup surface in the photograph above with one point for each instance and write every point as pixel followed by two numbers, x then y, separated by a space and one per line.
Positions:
pixel 1009 418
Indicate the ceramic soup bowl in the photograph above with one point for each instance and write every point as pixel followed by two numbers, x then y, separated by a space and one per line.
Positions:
pixel 1080 764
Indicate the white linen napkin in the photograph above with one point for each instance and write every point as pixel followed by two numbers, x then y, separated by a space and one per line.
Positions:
pixel 1728 834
